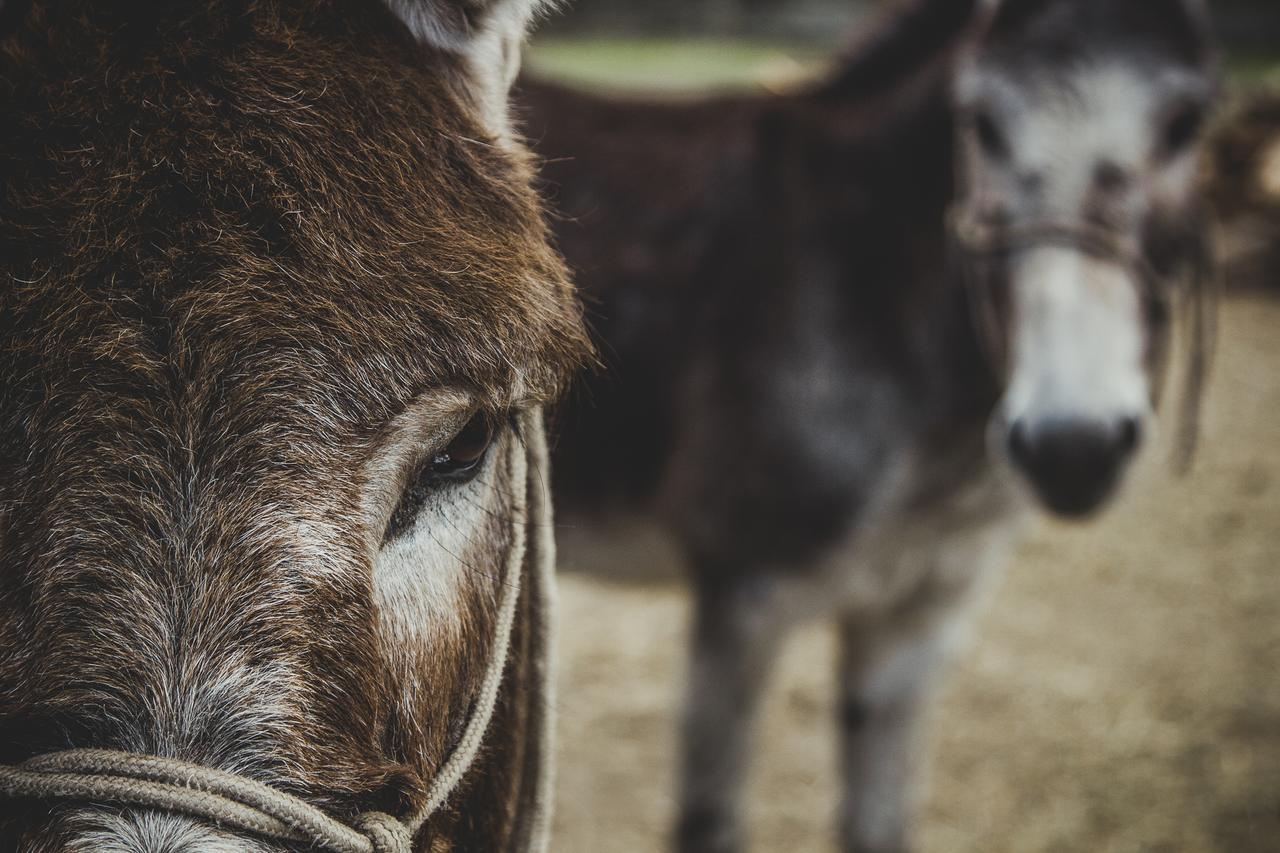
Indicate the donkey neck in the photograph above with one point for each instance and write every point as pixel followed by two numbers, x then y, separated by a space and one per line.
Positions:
pixel 875 240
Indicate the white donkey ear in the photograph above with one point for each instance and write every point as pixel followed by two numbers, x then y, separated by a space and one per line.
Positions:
pixel 453 24
pixel 487 34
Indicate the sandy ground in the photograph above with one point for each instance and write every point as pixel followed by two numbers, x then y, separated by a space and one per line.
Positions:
pixel 1121 692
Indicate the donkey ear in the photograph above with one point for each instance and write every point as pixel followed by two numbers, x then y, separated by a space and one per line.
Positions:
pixel 452 24
pixel 487 34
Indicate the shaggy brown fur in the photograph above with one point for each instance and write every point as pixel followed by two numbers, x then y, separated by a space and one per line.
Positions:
pixel 236 239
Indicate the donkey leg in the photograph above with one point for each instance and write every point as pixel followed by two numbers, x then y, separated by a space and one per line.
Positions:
pixel 886 673
pixel 735 636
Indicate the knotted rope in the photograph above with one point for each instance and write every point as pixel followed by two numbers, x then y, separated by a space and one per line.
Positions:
pixel 231 801
pixel 244 805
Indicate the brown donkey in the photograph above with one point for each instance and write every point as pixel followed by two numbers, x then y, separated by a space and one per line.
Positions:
pixel 277 315
pixel 859 331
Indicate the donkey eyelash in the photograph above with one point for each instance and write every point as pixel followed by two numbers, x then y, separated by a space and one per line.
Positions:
pixel 458 462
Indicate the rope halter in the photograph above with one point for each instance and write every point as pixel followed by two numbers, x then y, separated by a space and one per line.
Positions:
pixel 244 805
pixel 984 243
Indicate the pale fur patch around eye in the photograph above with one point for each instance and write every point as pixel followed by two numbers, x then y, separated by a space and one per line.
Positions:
pixel 421 578
pixel 422 428
pixel 425 576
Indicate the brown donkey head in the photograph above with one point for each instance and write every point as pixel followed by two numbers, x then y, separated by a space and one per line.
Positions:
pixel 274 291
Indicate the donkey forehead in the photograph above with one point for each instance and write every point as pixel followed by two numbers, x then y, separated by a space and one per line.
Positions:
pixel 309 196
pixel 1040 33
pixel 1066 50
pixel 1108 106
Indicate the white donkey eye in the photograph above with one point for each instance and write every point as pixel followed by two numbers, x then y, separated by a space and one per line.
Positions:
pixel 459 461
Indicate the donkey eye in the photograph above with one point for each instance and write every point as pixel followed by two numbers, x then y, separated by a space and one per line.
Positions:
pixel 461 458
pixel 457 462
pixel 990 137
pixel 1182 130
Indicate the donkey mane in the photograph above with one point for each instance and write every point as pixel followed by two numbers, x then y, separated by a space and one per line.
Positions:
pixel 1053 29
pixel 907 36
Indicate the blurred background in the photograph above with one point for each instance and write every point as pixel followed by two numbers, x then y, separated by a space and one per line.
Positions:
pixel 683 45
pixel 1122 690
pixel 1240 21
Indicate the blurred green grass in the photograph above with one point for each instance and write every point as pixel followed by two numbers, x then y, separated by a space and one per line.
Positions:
pixel 672 65
pixel 1255 69
pixel 696 65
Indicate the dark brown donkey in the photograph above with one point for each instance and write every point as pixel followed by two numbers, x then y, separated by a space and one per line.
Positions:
pixel 858 331
pixel 276 317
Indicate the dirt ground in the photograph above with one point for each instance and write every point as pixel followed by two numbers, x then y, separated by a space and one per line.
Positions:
pixel 1121 691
